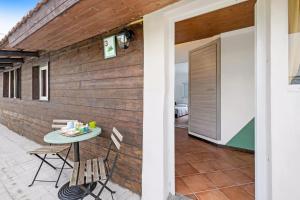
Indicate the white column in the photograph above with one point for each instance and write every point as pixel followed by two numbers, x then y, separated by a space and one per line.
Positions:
pixel 262 101
pixel 154 149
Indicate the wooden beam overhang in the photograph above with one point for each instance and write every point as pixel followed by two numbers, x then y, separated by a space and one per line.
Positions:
pixel 19 53
pixel 227 19
pixel 56 24
pixel 11 60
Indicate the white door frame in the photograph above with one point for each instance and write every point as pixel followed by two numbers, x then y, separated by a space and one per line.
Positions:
pixel 262 102
pixel 158 174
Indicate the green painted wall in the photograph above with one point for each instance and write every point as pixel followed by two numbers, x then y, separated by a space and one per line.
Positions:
pixel 244 139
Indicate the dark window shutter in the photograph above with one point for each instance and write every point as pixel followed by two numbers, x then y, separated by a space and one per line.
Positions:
pixel 18 78
pixel 5 84
pixel 12 83
pixel 35 83
pixel 48 81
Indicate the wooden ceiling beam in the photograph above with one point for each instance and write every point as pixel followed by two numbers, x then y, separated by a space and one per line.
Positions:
pixel 19 53
pixel 227 19
pixel 11 60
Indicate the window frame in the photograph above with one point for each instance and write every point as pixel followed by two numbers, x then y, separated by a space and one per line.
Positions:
pixel 41 97
pixel 14 71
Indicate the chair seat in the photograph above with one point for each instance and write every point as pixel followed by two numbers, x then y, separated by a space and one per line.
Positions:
pixel 49 150
pixel 88 171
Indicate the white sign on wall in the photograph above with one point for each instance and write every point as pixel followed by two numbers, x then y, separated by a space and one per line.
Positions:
pixel 109 44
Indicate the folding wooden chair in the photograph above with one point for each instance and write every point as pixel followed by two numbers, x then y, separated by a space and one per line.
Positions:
pixel 98 169
pixel 56 150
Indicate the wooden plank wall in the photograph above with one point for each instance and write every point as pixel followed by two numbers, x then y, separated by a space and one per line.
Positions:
pixel 86 87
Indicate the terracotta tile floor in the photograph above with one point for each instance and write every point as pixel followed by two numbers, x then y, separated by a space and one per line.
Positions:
pixel 206 172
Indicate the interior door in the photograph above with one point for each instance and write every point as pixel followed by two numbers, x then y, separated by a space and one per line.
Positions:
pixel 204 95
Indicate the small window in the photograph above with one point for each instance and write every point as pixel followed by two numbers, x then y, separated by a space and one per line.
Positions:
pixel 40 81
pixel 12 83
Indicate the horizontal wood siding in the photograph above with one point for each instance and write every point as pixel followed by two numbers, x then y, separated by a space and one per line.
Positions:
pixel 86 87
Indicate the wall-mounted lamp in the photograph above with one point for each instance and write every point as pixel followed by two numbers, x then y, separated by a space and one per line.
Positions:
pixel 124 37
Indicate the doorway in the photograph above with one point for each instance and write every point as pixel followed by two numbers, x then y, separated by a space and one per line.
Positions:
pixel 214 157
pixel 158 146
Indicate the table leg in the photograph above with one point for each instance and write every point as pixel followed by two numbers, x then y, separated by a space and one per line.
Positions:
pixel 76 151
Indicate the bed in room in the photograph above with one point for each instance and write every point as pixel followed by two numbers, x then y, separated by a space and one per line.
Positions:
pixel 181 110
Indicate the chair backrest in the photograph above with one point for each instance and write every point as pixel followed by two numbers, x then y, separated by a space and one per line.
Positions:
pixel 116 141
pixel 116 138
pixel 59 123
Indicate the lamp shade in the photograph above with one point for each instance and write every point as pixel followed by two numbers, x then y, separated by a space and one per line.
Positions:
pixel 124 38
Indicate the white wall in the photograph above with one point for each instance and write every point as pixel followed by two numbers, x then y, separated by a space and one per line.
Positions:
pixel 181 78
pixel 285 109
pixel 237 81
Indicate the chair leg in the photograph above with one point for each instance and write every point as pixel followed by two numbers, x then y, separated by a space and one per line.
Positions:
pixel 110 190
pixel 104 185
pixel 67 157
pixel 64 160
pixel 62 168
pixel 112 196
pixel 43 160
